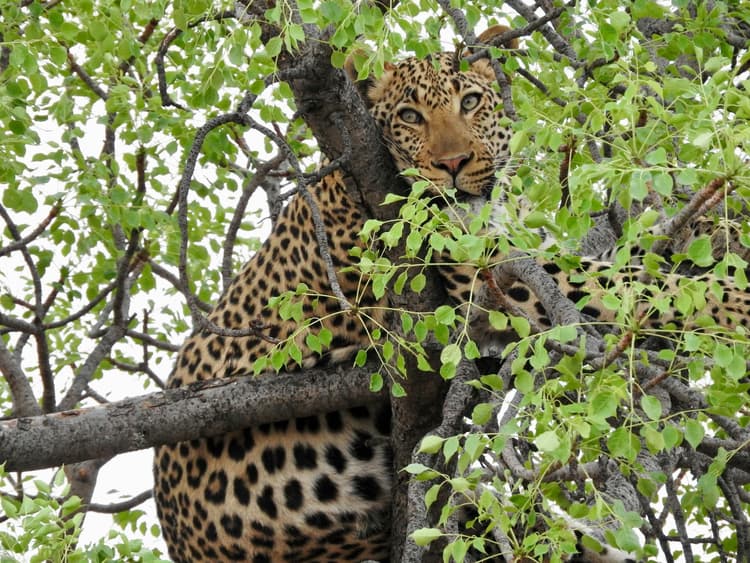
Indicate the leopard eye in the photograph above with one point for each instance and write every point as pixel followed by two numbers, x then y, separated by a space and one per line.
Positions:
pixel 410 116
pixel 470 101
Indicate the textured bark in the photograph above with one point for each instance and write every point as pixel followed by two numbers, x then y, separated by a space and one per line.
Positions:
pixel 174 415
pixel 337 115
pixel 342 125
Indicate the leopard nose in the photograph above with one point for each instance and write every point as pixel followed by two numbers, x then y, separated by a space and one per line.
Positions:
pixel 452 164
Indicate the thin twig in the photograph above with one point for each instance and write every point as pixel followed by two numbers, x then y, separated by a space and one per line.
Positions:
pixel 512 34
pixel 251 184
pixel 38 230
pixel 168 276
pixel 705 199
pixel 550 34
pixel 160 344
pixel 141 367
pixel 116 507
pixel 161 52
pixel 84 76
pixel 302 182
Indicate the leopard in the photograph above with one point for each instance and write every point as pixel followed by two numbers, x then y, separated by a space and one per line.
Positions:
pixel 318 488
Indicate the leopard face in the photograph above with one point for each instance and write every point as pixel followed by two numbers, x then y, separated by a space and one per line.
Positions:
pixel 445 123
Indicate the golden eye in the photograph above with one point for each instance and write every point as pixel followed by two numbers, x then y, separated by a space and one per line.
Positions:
pixel 411 116
pixel 470 101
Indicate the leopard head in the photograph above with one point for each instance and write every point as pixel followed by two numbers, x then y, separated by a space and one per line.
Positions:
pixel 443 121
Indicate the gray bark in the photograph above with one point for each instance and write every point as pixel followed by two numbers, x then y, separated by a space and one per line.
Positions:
pixel 340 121
pixel 208 409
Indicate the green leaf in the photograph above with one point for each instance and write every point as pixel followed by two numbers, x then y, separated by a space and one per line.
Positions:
pixel 431 444
pixel 273 46
pixel 17 127
pixel 313 343
pixel 417 469
pixel 379 285
pixel 451 354
pixel 407 322
pixel 423 364
pixel 9 507
pixel 672 437
pixel 295 353
pixel 7 301
pixel 431 496
pixel 638 185
pixel 521 326
pixel 498 320
pixel 445 314
pixel 694 432
pixel 547 441
pixel 709 490
pixel 481 413
pixel 654 439
pixel 260 365
pixel 622 443
pixel 58 55
pixel 450 447
pixel 418 283
pixel 469 248
pixel 425 536
pixel 389 198
pixel 19 199
pixel 397 390
pixel 519 140
pixel 700 251
pixel 471 350
pixel 278 359
pixel 361 358
pixel 338 59
pixel 603 404
pixel 524 382
pixel 564 333
pixel 459 484
pixel 413 242
pixel 392 236
pixel 662 182
pixel 376 382
pixel 657 156
pixel 448 371
pixel 398 286
pixel 619 20
pixel 535 220
pixel 387 350
pixel 651 406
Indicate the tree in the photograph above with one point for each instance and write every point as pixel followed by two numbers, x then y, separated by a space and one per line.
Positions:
pixel 142 135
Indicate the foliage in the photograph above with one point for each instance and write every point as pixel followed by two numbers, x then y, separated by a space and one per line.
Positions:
pixel 103 101
pixel 40 527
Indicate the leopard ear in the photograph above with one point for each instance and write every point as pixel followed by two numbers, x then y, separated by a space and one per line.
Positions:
pixel 496 31
pixel 482 66
pixel 367 86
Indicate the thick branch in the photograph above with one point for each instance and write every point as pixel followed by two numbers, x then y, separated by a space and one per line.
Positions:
pixel 170 416
pixel 86 373
pixel 338 117
pixel 24 402
pixel 322 92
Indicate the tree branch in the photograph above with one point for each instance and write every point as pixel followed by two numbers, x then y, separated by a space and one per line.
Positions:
pixel 24 402
pixel 22 242
pixel 206 409
pixel 116 507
